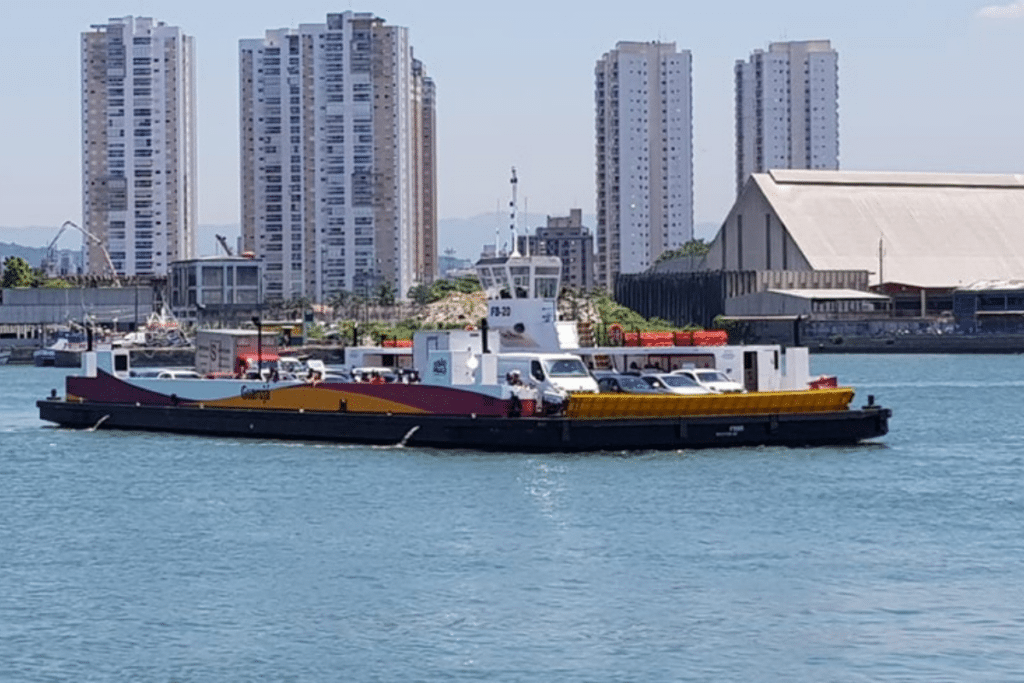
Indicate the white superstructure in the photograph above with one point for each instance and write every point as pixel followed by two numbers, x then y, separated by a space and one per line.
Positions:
pixel 522 318
pixel 644 127
pixel 338 172
pixel 138 146
pixel 787 109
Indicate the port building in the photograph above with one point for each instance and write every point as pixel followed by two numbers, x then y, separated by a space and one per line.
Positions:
pixel 833 244
pixel 935 230
pixel 338 159
pixel 644 148
pixel 787 109
pixel 138 147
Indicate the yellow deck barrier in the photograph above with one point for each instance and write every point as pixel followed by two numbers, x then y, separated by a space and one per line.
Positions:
pixel 606 406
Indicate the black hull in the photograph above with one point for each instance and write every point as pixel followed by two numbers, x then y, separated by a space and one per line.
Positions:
pixel 543 435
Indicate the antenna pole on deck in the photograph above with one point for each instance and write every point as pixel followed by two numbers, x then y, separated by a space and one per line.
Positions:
pixel 512 216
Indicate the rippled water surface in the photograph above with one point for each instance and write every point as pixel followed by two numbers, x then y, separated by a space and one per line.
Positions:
pixel 142 557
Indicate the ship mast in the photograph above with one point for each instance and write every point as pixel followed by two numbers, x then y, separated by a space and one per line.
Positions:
pixel 512 214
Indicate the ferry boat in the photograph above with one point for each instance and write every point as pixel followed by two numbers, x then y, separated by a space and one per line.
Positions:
pixel 467 396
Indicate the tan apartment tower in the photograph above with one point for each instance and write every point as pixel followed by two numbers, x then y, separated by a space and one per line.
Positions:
pixel 787 109
pixel 338 159
pixel 138 147
pixel 644 129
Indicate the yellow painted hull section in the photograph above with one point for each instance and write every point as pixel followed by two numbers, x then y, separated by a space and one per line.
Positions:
pixel 313 399
pixel 608 406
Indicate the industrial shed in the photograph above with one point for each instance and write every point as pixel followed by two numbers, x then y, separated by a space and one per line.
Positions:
pixel 929 230
pixel 990 306
pixel 820 303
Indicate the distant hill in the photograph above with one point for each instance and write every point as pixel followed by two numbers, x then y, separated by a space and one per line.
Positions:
pixel 465 236
pixel 35 255
pixel 31 254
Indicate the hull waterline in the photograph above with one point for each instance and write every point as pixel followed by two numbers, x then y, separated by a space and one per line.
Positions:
pixel 486 433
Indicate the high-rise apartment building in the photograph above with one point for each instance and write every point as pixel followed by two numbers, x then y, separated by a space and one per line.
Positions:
pixel 787 109
pixel 338 159
pixel 644 131
pixel 138 147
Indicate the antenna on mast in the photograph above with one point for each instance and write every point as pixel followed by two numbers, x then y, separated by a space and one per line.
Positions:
pixel 512 217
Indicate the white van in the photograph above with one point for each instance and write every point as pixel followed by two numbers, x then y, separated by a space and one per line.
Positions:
pixel 556 375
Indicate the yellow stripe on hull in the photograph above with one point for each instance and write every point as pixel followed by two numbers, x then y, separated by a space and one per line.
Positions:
pixel 313 399
pixel 607 406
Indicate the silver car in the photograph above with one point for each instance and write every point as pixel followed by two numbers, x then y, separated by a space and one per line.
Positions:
pixel 676 384
pixel 715 380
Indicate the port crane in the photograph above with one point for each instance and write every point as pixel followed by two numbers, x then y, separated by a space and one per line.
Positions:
pixel 50 264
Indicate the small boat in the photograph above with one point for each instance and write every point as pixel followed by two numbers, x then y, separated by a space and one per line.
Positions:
pixel 46 356
pixel 5 356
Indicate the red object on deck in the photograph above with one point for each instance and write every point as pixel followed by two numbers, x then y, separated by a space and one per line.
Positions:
pixel 656 339
pixel 824 382
pixel 710 338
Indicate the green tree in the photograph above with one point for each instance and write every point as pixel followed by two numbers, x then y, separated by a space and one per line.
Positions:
pixel 386 293
pixel 697 247
pixel 339 301
pixel 420 294
pixel 17 272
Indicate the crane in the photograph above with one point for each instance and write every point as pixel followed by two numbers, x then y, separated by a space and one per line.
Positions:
pixel 50 262
pixel 224 243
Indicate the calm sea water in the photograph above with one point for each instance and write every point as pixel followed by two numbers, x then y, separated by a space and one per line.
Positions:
pixel 141 557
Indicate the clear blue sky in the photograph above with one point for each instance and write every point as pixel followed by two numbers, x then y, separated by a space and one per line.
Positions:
pixel 925 85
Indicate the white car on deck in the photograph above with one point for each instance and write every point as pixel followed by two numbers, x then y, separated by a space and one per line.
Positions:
pixel 676 384
pixel 715 380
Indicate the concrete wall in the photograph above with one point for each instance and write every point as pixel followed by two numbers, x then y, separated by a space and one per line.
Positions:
pixel 58 306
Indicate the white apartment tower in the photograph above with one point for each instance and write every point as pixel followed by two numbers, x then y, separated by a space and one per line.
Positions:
pixel 338 159
pixel 644 123
pixel 138 147
pixel 787 109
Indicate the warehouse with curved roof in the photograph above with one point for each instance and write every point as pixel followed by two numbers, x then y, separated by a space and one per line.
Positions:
pixel 928 230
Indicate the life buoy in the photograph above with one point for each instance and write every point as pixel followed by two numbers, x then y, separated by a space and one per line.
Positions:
pixel 616 334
